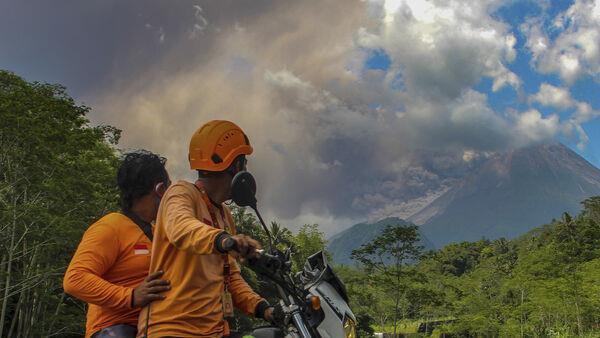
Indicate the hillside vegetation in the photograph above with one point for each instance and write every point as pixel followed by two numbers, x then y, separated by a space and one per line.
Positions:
pixel 543 284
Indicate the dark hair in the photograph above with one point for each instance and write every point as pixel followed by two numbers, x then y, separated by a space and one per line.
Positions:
pixel 138 174
pixel 239 161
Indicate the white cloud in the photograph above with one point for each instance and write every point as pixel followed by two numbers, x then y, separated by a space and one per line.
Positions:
pixel 535 128
pixel 551 96
pixel 576 50
pixel 585 113
pixel 161 35
pixel 440 48
pixel 200 24
pixel 468 155
pixel 560 98
pixel 583 137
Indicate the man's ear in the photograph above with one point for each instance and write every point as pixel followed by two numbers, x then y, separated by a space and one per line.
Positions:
pixel 160 189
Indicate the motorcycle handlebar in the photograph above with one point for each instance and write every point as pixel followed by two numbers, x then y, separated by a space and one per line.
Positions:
pixel 262 259
pixel 265 261
pixel 230 245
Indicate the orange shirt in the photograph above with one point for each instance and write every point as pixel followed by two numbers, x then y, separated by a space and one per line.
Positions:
pixel 111 260
pixel 184 249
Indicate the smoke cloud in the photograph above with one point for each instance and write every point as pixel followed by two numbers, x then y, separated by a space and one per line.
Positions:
pixel 335 141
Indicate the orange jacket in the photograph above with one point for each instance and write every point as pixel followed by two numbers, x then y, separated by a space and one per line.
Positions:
pixel 184 249
pixel 112 259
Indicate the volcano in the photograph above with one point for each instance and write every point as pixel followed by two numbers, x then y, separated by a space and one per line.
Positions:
pixel 510 194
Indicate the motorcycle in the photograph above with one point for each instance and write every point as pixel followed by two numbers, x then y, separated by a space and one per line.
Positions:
pixel 314 302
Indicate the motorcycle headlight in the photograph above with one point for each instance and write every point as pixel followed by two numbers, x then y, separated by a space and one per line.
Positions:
pixel 349 328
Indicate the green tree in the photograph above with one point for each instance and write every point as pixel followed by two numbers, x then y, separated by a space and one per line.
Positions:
pixel 368 296
pixel 307 241
pixel 364 324
pixel 56 177
pixel 390 255
pixel 282 237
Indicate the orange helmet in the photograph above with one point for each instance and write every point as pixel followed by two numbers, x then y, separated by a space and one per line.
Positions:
pixel 216 144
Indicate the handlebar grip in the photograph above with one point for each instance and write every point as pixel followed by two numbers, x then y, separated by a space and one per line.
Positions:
pixel 230 245
pixel 266 261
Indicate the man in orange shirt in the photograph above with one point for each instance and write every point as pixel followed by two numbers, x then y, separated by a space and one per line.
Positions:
pixel 192 226
pixel 109 270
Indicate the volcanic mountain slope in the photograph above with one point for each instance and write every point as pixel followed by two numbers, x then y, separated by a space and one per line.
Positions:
pixel 341 245
pixel 505 196
pixel 510 194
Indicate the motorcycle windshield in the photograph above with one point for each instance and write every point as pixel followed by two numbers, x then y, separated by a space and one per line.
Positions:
pixel 318 261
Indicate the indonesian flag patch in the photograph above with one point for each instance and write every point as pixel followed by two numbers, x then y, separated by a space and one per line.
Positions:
pixel 141 249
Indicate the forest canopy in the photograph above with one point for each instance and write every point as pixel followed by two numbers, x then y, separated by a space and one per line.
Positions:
pixel 56 177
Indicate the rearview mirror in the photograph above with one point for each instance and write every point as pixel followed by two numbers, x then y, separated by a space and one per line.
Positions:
pixel 243 193
pixel 243 190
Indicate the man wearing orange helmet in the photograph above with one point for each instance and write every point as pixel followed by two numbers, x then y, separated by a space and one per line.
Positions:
pixel 192 227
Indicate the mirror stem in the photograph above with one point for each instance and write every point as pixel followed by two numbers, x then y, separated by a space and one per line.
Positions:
pixel 264 227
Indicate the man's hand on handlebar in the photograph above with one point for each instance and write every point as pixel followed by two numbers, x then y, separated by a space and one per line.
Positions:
pixel 268 316
pixel 243 245
pixel 275 315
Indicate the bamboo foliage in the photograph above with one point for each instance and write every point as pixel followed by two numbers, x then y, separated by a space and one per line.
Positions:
pixel 56 177
pixel 21 272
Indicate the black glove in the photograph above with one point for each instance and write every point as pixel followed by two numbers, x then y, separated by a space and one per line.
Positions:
pixel 278 315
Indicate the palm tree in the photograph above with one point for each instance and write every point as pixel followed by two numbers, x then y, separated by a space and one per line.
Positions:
pixel 281 235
